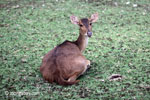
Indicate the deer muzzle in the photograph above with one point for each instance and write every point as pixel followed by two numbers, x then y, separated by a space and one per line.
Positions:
pixel 89 33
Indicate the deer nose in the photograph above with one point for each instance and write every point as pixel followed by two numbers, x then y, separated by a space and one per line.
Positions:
pixel 89 34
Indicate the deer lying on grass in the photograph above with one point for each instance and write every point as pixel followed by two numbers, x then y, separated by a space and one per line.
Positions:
pixel 65 63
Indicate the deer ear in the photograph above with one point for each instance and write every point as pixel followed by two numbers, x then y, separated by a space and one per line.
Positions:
pixel 94 17
pixel 74 19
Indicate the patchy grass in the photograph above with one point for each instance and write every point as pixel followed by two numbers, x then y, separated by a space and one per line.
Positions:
pixel 120 45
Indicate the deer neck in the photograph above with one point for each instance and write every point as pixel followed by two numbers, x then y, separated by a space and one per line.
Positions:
pixel 82 42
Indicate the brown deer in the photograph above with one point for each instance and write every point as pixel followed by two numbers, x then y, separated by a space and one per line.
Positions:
pixel 65 63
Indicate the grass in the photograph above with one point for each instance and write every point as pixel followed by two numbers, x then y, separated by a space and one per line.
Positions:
pixel 120 45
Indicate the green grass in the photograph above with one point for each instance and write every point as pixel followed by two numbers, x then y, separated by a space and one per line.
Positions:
pixel 120 45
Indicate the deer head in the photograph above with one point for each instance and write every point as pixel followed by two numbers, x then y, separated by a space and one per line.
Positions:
pixel 85 24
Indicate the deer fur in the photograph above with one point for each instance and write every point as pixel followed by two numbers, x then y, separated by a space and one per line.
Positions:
pixel 65 63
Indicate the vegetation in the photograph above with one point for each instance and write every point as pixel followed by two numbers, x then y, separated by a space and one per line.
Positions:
pixel 120 45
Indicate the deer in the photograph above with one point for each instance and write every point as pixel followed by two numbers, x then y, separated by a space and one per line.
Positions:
pixel 65 62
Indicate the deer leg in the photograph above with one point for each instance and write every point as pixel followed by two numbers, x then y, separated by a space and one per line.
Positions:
pixel 83 66
pixel 73 78
pixel 88 64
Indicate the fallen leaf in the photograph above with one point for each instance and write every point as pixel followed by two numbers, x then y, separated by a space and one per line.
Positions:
pixel 115 77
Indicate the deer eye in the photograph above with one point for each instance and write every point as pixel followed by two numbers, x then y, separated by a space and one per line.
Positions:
pixel 80 25
pixel 90 23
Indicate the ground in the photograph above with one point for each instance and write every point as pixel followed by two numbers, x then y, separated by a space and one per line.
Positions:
pixel 120 45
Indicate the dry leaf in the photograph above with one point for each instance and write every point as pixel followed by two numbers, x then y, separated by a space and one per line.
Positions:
pixel 115 77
